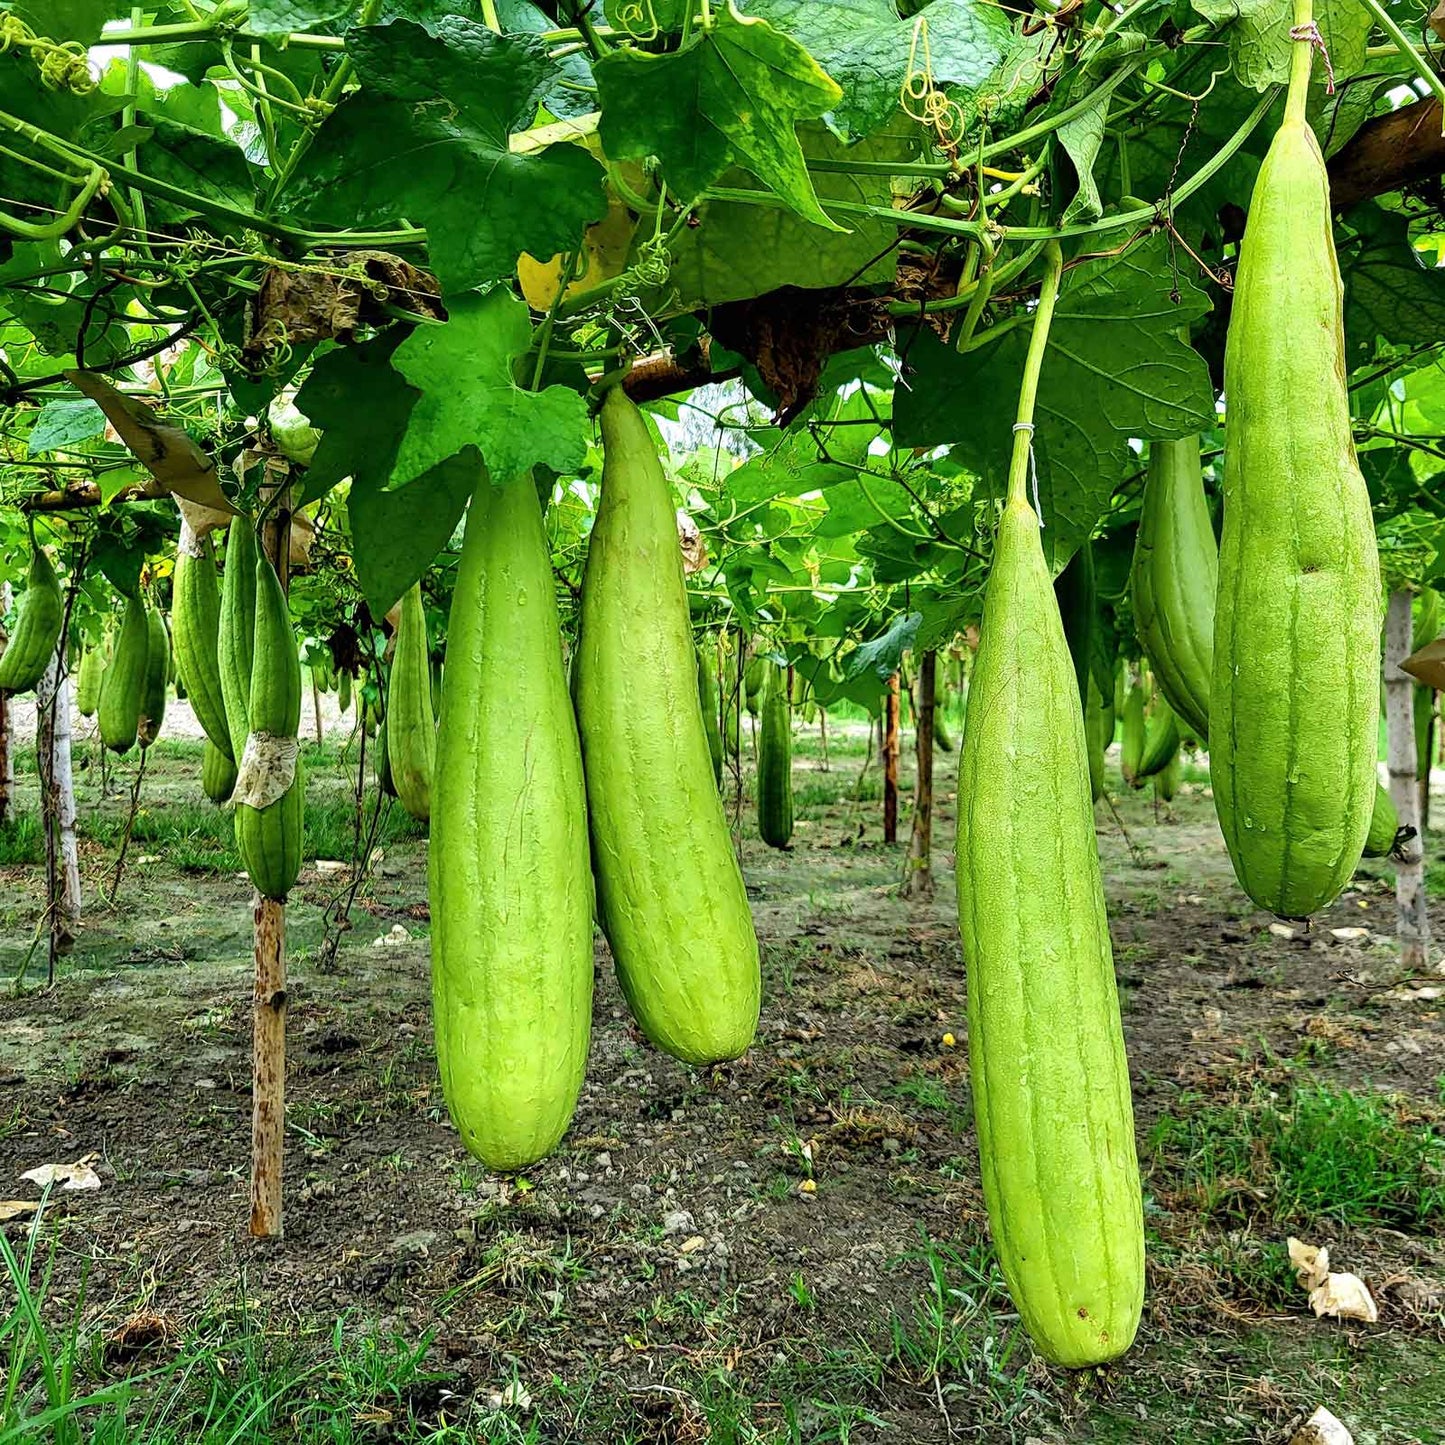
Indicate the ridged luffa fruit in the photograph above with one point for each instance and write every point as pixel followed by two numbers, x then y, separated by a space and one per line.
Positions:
pixel 670 891
pixel 511 880
pixel 1174 579
pixel 1294 698
pixel 1050 1080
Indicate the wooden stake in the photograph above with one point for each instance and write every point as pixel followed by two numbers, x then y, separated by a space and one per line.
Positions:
pixel 57 808
pixel 918 881
pixel 1412 920
pixel 890 762
pixel 268 1011
pixel 268 1067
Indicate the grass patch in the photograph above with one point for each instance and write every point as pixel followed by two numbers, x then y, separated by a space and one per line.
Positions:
pixel 21 840
pixel 1315 1153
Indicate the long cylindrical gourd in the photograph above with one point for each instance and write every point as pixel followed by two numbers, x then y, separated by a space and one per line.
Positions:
pixel 410 724
pixel 510 871
pixel 1298 614
pixel 670 890
pixel 1050 1079
pixel 1074 589
pixel 1161 742
pixel 343 692
pixel 270 791
pixel 1168 778
pixel 1134 731
pixel 196 632
pixel 157 676
pixel 270 839
pixel 37 627
pixel 1174 578
pixel 122 690
pixel 1094 737
pixel 218 772
pixel 89 679
pixel 381 759
pixel 731 709
pixel 235 637
pixel 753 675
pixel 775 759
pixel 1384 834
pixel 708 700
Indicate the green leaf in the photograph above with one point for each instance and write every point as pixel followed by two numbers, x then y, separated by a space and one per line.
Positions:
pixel 283 17
pixel 62 424
pixel 866 47
pixel 1389 292
pixel 881 656
pixel 427 141
pixel 363 406
pixel 742 250
pixel 732 96
pixel 1259 42
pixel 1115 369
pixel 469 399
pixel 212 168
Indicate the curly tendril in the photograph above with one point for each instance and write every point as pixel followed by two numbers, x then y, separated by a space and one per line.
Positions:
pixel 634 15
pixel 922 100
pixel 62 65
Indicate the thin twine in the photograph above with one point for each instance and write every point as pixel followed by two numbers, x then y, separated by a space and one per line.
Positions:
pixel 1028 426
pixel 1311 33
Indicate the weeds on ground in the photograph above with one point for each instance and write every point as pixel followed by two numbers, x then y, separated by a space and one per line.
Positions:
pixel 1313 1153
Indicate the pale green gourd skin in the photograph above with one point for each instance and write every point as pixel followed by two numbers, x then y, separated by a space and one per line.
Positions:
pixel 270 839
pixel 775 760
pixel 218 773
pixel 122 689
pixel 196 629
pixel 235 637
pixel 410 726
pixel 37 627
pixel 1133 731
pixel 708 701
pixel 1174 578
pixel 157 674
pixel 1384 824
pixel 1097 743
pixel 1046 1047
pixel 88 681
pixel 1294 698
pixel 510 871
pixel 1161 742
pixel 670 890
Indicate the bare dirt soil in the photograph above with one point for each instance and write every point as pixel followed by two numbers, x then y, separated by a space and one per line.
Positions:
pixel 792 1247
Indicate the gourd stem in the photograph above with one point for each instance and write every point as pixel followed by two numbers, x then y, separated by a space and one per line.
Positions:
pixel 1029 389
pixel 1301 58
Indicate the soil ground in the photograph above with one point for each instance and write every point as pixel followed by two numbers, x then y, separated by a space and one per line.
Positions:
pixel 791 1247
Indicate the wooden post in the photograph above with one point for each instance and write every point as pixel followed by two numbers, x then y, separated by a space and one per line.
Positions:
pixel 890 762
pixel 316 707
pixel 268 1067
pixel 1412 920
pixel 268 1006
pixel 57 807
pixel 918 880
pixel 823 735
